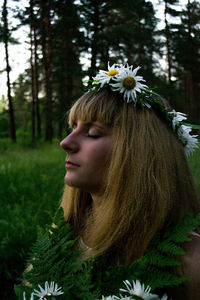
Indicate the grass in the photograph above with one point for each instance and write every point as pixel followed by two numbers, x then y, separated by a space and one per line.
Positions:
pixel 31 184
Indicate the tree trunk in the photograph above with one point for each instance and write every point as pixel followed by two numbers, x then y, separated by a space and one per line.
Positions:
pixel 34 75
pixel 10 103
pixel 47 53
pixel 167 35
pixel 32 72
pixel 94 45
pixel 190 79
pixel 36 84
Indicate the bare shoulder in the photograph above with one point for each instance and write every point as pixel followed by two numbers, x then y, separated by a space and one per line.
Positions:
pixel 191 266
pixel 191 259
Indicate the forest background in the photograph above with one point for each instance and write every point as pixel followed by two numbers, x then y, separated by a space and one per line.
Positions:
pixel 68 42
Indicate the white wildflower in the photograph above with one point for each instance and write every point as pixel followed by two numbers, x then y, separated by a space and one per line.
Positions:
pixel 177 117
pixel 108 298
pixel 24 296
pixel 138 289
pixel 122 297
pixel 189 141
pixel 164 297
pixel 128 83
pixel 104 77
pixel 49 291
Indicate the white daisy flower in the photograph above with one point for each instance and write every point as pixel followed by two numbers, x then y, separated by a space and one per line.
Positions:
pixel 122 298
pixel 177 117
pixel 24 296
pixel 104 77
pixel 189 141
pixel 108 298
pixel 164 297
pixel 138 290
pixel 128 83
pixel 49 291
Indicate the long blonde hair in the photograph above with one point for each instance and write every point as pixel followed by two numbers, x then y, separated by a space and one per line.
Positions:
pixel 148 186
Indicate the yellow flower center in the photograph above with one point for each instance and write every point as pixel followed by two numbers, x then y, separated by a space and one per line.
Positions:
pixel 129 83
pixel 112 73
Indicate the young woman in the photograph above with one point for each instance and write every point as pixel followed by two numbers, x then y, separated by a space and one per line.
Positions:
pixel 127 175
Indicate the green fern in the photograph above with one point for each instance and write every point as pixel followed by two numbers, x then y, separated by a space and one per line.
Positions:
pixel 155 268
pixel 157 264
pixel 53 259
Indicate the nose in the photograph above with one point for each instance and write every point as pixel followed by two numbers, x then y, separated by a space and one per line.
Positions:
pixel 69 144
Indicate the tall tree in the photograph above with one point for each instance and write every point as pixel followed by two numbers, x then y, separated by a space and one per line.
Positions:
pixel 95 18
pixel 136 34
pixel 186 44
pixel 33 92
pixel 6 35
pixel 36 79
pixel 169 11
pixel 67 42
pixel 46 40
pixel 21 101
pixel 34 72
pixel 192 65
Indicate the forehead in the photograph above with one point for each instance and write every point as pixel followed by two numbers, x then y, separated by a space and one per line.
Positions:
pixel 91 109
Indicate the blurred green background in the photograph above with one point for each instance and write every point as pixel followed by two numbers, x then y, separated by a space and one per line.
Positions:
pixel 31 185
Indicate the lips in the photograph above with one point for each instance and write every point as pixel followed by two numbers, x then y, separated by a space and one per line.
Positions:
pixel 70 164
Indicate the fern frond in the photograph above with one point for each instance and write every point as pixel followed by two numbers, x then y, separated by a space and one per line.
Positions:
pixel 158 278
pixel 157 259
pixel 53 259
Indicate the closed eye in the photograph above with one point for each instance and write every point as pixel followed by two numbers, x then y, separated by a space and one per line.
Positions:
pixel 93 136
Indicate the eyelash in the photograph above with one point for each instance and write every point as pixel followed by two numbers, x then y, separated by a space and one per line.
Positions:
pixel 93 136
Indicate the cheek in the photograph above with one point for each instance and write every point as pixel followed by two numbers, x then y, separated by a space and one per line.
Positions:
pixel 101 155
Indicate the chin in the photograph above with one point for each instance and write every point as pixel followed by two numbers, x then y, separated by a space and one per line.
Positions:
pixel 71 182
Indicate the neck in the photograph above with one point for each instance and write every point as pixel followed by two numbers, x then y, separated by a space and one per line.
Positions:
pixel 96 200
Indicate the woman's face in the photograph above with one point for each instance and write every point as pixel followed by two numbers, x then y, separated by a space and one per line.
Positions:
pixel 88 148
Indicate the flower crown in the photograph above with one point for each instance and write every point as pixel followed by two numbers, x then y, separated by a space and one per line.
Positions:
pixel 124 79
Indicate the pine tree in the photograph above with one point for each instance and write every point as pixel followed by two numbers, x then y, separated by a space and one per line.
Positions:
pixel 6 35
pixel 67 74
pixel 55 46
pixel 46 41
pixel 136 35
pixel 186 43
pixel 34 72
pixel 95 22
pixel 21 101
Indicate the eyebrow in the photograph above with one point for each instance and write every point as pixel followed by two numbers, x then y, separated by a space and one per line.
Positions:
pixel 102 126
pixel 89 124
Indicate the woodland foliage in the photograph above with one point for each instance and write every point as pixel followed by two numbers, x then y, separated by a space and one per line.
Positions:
pixel 69 40
pixel 53 259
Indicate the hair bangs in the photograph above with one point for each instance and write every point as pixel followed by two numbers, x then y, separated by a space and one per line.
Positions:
pixel 93 106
